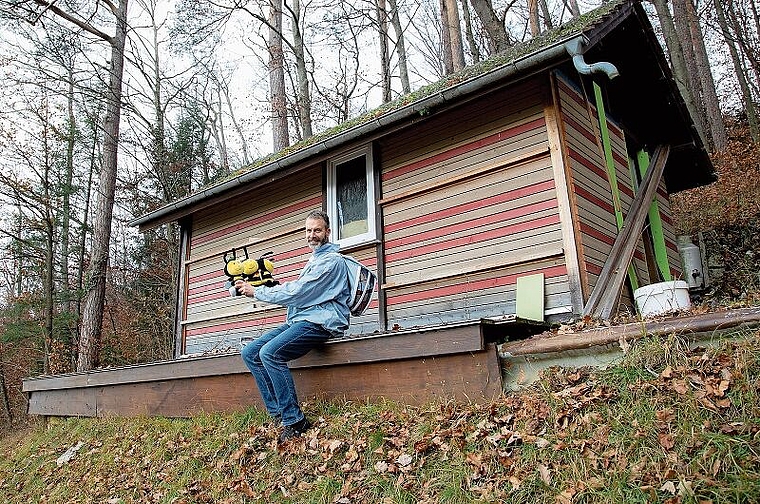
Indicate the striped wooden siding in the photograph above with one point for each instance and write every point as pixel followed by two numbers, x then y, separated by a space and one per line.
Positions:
pixel 269 220
pixel 469 205
pixel 470 297
pixel 437 150
pixel 593 195
pixel 265 221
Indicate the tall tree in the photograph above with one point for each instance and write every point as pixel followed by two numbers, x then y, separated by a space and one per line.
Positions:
pixel 678 62
pixel 92 319
pixel 498 38
pixel 452 28
pixel 280 135
pixel 746 91
pixel 400 47
pixel 709 97
pixel 472 44
pixel 385 57
pixel 303 96
pixel 533 18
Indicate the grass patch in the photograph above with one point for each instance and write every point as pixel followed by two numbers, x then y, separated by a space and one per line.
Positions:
pixel 667 424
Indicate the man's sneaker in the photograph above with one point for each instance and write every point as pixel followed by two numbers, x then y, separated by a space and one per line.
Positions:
pixel 295 430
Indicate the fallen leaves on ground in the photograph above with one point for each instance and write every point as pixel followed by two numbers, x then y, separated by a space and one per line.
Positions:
pixel 686 430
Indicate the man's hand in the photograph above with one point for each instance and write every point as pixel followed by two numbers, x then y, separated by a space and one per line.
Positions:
pixel 244 288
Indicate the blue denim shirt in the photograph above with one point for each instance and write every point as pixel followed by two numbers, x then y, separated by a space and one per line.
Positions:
pixel 319 295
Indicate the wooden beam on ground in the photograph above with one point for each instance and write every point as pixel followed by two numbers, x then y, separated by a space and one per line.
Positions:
pixel 607 289
pixel 703 323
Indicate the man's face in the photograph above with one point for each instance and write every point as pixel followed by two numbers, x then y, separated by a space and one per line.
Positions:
pixel 317 233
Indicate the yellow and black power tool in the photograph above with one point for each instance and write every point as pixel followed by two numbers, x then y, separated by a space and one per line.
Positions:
pixel 257 272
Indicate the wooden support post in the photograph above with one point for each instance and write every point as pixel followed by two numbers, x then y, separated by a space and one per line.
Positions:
pixel 607 289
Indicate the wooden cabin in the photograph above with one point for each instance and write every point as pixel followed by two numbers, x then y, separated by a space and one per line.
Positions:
pixel 490 203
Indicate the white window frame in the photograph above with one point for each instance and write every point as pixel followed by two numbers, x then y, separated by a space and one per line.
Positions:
pixel 332 209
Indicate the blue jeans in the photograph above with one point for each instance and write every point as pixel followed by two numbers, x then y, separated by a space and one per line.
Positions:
pixel 267 357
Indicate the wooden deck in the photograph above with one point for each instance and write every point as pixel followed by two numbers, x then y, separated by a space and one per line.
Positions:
pixel 452 361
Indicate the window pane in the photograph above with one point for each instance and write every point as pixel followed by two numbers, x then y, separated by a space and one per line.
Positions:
pixel 351 197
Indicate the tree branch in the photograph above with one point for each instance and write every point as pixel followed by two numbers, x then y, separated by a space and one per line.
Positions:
pixel 71 19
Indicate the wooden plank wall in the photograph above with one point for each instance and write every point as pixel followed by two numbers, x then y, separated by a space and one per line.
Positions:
pixel 265 221
pixel 469 204
pixel 593 195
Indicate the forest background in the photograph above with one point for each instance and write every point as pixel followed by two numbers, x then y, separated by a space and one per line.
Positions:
pixel 111 109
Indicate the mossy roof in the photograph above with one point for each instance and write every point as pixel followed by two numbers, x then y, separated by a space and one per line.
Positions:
pixel 593 25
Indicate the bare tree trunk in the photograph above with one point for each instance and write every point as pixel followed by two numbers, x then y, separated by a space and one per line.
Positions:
pixel 691 76
pixel 548 23
pixel 18 255
pixel 572 6
pixel 280 134
pixel 400 47
pixel 469 34
pixel 749 105
pixel 713 117
pixel 65 287
pixel 455 32
pixel 747 42
pixel 497 34
pixel 535 27
pixel 92 316
pixel 680 72
pixel 216 117
pixel 302 76
pixel 385 63
pixel 84 230
pixel 448 62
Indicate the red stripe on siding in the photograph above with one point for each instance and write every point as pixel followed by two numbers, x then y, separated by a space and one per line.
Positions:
pixel 580 128
pixel 572 93
pixel 586 229
pixel 609 240
pixel 475 238
pixel 278 319
pixel 219 294
pixel 615 130
pixel 591 198
pixel 625 189
pixel 250 223
pixel 598 170
pixel 207 276
pixel 472 224
pixel 483 142
pixel 473 205
pixel 619 158
pixel 467 286
pixel 593 268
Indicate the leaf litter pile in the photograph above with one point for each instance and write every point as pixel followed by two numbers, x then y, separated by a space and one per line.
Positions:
pixel 666 424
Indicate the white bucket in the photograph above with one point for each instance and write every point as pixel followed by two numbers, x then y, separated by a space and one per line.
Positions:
pixel 662 297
